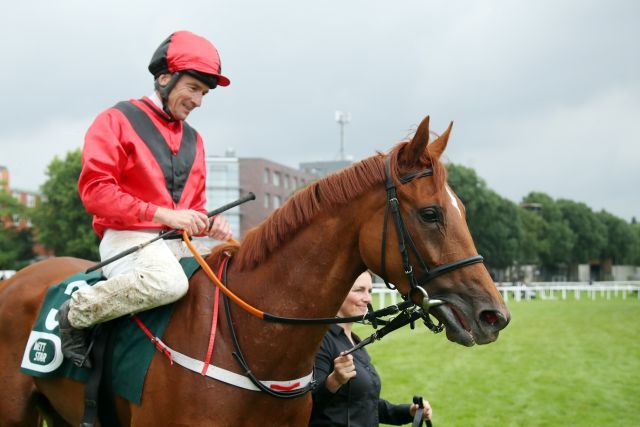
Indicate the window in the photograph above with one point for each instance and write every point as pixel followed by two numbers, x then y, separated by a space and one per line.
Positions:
pixel 276 178
pixel 295 182
pixel 217 197
pixel 266 200
pixel 222 175
pixel 286 181
pixel 266 176
pixel 277 201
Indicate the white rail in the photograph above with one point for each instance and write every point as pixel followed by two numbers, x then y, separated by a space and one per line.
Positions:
pixel 544 291
pixel 552 291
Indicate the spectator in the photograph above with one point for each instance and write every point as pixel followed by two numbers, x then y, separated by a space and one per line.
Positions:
pixel 348 389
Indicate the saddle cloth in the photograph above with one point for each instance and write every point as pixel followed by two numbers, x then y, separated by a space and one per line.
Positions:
pixel 132 349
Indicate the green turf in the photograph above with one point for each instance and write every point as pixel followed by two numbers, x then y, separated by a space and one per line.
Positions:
pixel 559 363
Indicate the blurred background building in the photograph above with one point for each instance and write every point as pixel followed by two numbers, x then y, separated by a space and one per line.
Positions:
pixel 231 177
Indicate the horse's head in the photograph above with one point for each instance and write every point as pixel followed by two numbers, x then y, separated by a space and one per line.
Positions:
pixel 434 256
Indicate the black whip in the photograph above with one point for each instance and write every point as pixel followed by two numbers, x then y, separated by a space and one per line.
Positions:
pixel 169 234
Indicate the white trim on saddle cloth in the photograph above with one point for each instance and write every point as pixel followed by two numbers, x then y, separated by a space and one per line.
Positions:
pixel 229 377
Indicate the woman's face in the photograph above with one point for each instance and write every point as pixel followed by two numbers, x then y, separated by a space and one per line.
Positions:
pixel 359 296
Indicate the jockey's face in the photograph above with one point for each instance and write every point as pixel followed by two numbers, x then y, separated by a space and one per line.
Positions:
pixel 185 96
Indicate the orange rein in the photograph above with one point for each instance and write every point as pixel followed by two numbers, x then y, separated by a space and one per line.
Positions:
pixel 252 310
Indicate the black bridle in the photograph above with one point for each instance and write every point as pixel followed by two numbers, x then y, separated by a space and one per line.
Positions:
pixel 404 240
pixel 408 311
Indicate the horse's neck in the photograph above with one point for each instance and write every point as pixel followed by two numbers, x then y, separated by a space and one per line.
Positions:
pixel 311 273
pixel 307 277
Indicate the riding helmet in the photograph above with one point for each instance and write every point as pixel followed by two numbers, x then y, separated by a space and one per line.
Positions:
pixel 188 53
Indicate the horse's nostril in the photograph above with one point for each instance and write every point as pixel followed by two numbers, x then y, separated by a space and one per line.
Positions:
pixel 490 317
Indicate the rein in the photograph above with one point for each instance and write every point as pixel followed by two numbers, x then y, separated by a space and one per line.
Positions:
pixel 402 232
pixel 408 311
pixel 372 316
pixel 271 391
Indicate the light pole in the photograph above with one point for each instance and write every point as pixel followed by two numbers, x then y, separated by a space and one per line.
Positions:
pixel 342 118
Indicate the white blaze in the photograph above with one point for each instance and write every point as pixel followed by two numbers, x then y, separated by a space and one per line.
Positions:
pixel 454 201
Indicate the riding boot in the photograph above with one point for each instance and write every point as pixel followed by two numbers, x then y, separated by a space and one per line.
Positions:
pixel 74 341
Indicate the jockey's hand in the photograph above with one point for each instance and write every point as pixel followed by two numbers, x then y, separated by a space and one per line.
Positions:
pixel 343 370
pixel 220 229
pixel 193 222
pixel 426 415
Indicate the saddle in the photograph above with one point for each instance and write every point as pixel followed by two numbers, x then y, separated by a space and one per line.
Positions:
pixel 120 350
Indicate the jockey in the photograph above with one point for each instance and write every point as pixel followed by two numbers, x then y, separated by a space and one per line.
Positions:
pixel 143 171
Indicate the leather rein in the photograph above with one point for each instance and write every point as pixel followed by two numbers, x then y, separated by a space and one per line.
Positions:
pixel 408 311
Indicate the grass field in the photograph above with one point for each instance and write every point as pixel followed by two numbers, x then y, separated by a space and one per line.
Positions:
pixel 559 363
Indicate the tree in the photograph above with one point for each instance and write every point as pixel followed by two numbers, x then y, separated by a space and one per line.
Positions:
pixel 621 239
pixel 635 250
pixel 494 221
pixel 62 222
pixel 555 239
pixel 16 246
pixel 10 206
pixel 535 241
pixel 591 234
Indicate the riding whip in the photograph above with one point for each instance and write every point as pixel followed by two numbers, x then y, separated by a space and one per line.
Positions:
pixel 169 234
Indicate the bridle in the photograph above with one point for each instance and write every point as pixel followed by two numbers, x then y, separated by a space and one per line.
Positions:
pixel 407 312
pixel 404 240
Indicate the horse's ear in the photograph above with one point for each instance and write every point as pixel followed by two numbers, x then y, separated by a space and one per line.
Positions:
pixel 436 148
pixel 414 151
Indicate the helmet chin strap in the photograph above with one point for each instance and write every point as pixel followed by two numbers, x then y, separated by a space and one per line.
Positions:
pixel 165 90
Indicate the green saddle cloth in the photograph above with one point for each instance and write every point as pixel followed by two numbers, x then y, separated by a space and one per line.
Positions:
pixel 132 349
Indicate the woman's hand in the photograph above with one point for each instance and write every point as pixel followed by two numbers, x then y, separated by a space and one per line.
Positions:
pixel 426 415
pixel 343 370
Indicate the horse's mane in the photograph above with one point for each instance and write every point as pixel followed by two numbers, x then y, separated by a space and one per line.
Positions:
pixel 325 194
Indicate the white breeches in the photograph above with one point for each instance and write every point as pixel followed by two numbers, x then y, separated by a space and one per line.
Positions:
pixel 147 278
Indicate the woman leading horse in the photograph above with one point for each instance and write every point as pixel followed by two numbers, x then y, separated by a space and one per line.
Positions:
pixel 393 214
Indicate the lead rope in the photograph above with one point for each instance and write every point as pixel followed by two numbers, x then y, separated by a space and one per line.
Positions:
pixel 417 418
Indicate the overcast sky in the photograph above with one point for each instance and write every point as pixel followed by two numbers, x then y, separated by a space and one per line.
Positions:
pixel 544 94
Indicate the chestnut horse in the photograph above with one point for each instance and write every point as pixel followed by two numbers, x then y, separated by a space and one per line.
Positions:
pixel 300 262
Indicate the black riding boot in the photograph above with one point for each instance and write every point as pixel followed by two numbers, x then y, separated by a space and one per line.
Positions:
pixel 74 341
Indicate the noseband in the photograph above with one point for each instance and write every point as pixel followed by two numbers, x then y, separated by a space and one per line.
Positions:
pixel 404 240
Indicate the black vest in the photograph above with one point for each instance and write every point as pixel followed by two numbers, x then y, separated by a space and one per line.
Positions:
pixel 175 168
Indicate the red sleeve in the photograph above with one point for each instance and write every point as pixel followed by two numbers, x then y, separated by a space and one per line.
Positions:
pixel 104 158
pixel 200 198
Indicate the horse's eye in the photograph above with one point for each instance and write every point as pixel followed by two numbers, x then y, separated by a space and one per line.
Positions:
pixel 430 214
